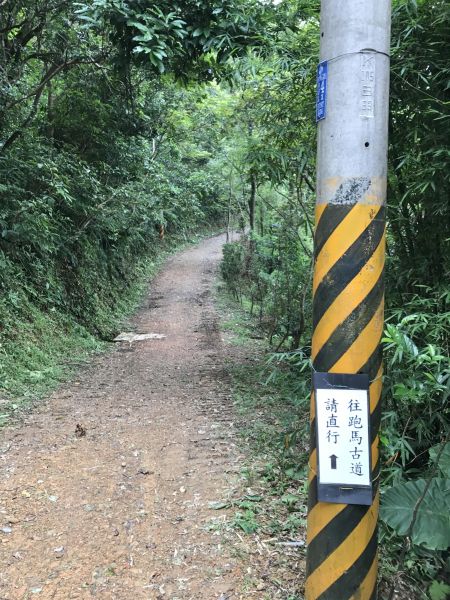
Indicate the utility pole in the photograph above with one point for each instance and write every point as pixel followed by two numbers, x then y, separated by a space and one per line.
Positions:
pixel 348 290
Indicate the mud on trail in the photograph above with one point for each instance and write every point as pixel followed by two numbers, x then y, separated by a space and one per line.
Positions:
pixel 105 487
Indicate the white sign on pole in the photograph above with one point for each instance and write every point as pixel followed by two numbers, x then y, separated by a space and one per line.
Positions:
pixel 343 438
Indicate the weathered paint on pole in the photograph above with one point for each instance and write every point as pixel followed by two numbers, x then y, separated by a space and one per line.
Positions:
pixel 348 284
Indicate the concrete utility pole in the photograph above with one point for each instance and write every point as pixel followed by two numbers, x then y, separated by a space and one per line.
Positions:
pixel 348 295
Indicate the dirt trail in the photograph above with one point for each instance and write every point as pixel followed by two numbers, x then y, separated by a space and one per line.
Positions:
pixel 122 512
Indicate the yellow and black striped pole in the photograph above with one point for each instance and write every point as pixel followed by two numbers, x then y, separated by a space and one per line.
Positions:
pixel 348 287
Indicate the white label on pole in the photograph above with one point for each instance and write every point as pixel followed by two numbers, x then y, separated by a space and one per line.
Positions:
pixel 367 86
pixel 343 442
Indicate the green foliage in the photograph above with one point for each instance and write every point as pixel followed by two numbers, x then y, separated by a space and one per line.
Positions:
pixel 246 521
pixel 232 265
pixel 441 458
pixel 439 590
pixel 273 271
pixel 431 527
pixel 419 155
pixel 37 351
pixel 186 37
pixel 417 382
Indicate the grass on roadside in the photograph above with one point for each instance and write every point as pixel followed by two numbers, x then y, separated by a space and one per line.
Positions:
pixel 271 401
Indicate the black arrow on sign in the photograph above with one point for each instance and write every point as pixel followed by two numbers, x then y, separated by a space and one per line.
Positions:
pixel 333 461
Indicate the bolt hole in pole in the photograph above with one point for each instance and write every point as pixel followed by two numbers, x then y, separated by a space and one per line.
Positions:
pixel 367 144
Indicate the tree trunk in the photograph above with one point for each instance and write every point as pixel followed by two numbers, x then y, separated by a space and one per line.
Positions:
pixel 252 201
pixel 50 114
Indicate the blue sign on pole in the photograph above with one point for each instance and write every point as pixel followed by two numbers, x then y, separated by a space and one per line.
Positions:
pixel 322 80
